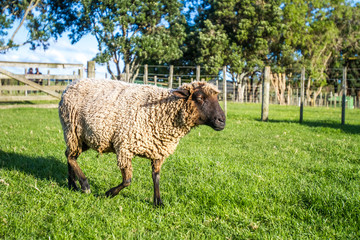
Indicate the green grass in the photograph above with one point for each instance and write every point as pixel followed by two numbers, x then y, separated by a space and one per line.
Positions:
pixel 254 180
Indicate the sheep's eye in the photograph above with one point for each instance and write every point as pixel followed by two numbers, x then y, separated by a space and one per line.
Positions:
pixel 200 98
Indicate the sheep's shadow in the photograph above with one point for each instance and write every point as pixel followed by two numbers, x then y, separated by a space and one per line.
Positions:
pixel 44 168
pixel 347 128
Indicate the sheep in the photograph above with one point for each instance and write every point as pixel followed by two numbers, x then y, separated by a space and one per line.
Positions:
pixel 132 120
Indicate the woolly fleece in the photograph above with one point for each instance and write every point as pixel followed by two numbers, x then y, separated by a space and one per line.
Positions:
pixel 128 119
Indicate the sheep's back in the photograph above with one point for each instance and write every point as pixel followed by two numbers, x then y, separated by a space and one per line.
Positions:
pixel 111 112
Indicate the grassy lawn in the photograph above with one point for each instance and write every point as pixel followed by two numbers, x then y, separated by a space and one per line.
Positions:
pixel 254 180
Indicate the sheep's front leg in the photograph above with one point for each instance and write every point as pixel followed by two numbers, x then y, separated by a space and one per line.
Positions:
pixel 126 172
pixel 156 166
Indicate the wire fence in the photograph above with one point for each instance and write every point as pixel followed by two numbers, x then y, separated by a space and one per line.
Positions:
pixel 285 86
pixel 285 89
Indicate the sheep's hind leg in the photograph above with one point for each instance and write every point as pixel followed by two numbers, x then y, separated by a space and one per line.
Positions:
pixel 75 171
pixel 72 179
pixel 156 166
pixel 126 172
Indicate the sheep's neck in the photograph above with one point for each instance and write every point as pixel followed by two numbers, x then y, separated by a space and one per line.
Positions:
pixel 174 120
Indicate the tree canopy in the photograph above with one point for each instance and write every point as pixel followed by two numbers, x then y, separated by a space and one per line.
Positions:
pixel 131 31
pixel 43 19
pixel 244 35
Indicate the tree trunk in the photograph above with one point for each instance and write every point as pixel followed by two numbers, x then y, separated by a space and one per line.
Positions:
pixel 278 81
pixel 308 91
pixel 275 84
pixel 289 91
pixel 240 87
pixel 282 83
pixel 316 94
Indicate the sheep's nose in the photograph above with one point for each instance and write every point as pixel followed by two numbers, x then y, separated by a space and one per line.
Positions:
pixel 219 123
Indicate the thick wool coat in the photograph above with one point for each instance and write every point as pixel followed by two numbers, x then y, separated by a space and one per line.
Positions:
pixel 128 119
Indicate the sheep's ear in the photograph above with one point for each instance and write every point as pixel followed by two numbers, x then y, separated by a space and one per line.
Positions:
pixel 182 93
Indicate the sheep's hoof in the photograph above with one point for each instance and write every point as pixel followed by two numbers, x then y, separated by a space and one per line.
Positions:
pixel 110 194
pixel 158 203
pixel 72 185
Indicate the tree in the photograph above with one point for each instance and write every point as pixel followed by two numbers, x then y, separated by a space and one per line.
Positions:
pixel 43 19
pixel 238 34
pixel 132 31
pixel 319 32
pixel 347 46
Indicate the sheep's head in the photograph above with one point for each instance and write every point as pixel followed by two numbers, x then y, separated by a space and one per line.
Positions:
pixel 203 104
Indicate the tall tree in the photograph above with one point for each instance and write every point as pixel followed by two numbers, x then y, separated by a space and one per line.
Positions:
pixel 42 19
pixel 320 31
pixel 131 31
pixel 346 46
pixel 238 34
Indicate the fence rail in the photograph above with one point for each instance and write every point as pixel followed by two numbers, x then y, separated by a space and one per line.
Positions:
pixel 29 87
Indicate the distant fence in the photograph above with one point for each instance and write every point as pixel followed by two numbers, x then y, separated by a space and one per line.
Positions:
pixel 285 88
pixel 290 87
pixel 30 86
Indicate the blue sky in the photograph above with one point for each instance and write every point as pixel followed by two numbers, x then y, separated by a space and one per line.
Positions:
pixel 60 51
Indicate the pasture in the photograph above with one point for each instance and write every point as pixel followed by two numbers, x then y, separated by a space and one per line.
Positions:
pixel 254 180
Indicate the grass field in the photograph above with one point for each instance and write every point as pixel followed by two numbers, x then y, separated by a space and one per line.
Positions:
pixel 254 180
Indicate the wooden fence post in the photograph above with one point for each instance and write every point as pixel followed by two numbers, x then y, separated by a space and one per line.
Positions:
pixel 127 72
pixel 48 81
pixel 198 73
pixel 260 93
pixel 155 80
pixel 234 93
pixel 331 96
pixel 253 93
pixel 179 81
pixel 265 95
pixel 343 102
pixel 80 73
pixel 91 69
pixel 325 100
pixel 224 90
pixel 146 74
pixel 302 94
pixel 171 74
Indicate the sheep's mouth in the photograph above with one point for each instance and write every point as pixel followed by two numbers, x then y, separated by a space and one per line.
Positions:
pixel 217 125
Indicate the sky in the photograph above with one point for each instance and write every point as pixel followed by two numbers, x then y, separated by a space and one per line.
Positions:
pixel 60 51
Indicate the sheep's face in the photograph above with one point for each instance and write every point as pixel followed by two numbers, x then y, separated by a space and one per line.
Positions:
pixel 209 110
pixel 202 98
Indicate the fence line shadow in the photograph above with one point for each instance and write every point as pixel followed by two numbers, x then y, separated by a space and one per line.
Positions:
pixel 44 168
pixel 347 128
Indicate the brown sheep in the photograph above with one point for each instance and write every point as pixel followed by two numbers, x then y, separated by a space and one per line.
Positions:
pixel 132 120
